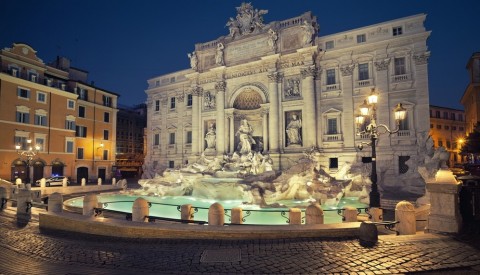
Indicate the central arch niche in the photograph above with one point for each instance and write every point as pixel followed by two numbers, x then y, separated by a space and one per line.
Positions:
pixel 248 99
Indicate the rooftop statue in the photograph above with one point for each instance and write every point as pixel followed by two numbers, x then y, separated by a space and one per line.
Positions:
pixel 247 20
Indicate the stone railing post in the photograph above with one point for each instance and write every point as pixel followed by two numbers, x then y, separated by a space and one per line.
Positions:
pixel 55 203
pixel 43 183
pixel 99 181
pixel 84 182
pixel 216 214
pixel 24 200
pixel 237 215
pixel 314 214
pixel 350 214
pixel 186 212
pixel 405 215
pixel 90 201
pixel 140 210
pixel 295 216
pixel 114 181
pixel 64 182
pixel 376 213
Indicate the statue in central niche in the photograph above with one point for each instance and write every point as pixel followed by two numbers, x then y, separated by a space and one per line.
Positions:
pixel 246 140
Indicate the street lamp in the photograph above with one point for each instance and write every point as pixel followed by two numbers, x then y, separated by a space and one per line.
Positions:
pixel 28 154
pixel 369 109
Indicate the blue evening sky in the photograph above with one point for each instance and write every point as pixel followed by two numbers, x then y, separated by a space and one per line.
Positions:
pixel 123 43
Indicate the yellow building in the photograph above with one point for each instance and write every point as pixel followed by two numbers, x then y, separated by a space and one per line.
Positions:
pixel 471 97
pixel 39 107
pixel 447 129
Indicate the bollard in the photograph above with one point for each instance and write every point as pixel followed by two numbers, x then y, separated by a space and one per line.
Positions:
pixel 405 215
pixel 186 212
pixel 140 210
pixel 376 213
pixel 216 214
pixel 237 215
pixel 43 183
pixel 28 186
pixel 99 181
pixel 3 198
pixel 114 181
pixel 90 201
pixel 64 182
pixel 350 214
pixel 368 234
pixel 55 203
pixel 24 204
pixel 84 182
pixel 295 216
pixel 19 183
pixel 314 214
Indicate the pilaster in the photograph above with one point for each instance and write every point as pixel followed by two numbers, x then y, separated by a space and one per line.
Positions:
pixel 309 116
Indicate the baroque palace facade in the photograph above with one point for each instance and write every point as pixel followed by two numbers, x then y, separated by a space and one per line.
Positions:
pixel 52 106
pixel 281 76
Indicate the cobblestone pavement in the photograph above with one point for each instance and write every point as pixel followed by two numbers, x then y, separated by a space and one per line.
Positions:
pixel 26 250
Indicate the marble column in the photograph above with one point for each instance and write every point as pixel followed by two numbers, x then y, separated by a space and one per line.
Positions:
pixel 308 93
pixel 196 93
pixel 265 128
pixel 231 135
pixel 220 103
pixel 384 110
pixel 348 124
pixel 274 78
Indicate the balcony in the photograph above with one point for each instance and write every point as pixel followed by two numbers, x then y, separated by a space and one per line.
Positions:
pixel 332 138
pixel 400 78
pixel 331 87
pixel 403 133
pixel 364 83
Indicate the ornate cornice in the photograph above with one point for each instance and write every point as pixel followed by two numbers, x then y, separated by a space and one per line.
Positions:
pixel 347 70
pixel 197 91
pixel 275 77
pixel 309 71
pixel 421 59
pixel 382 65
pixel 220 86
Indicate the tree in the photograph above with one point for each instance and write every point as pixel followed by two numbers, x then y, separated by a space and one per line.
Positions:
pixel 471 146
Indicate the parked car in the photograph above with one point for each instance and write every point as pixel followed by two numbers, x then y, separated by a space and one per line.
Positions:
pixel 474 169
pixel 53 181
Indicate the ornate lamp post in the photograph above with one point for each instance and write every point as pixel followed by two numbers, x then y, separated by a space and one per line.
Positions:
pixel 369 109
pixel 28 154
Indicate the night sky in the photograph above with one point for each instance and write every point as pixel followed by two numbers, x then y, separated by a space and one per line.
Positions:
pixel 123 43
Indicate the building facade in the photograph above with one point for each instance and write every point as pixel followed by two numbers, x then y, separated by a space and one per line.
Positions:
pixel 471 97
pixel 131 123
pixel 447 129
pixel 295 90
pixel 44 103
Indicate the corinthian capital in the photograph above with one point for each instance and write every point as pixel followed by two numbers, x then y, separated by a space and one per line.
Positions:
pixel 275 77
pixel 197 91
pixel 309 71
pixel 347 70
pixel 220 86
pixel 421 59
pixel 382 65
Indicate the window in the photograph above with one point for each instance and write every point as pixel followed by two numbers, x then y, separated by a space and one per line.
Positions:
pixel 331 77
pixel 107 101
pixel 363 71
pixel 69 146
pixel 189 137
pixel 397 31
pixel 189 100
pixel 157 83
pixel 171 164
pixel 454 128
pixel 448 144
pixel 70 124
pixel 71 104
pixel 105 154
pixel 105 134
pixel 332 126
pixel 452 116
pixel 82 94
pixel 437 114
pixel 80 131
pixel 440 143
pixel 41 97
pixel 156 139
pixel 157 105
pixel 333 163
pixel 460 117
pixel 404 124
pixel 14 71
pixel 22 117
pixel 79 153
pixel 447 127
pixel 106 117
pixel 32 77
pixel 329 45
pixel 171 139
pixel 439 126
pixel 23 93
pixel 461 128
pixel 361 38
pixel 81 111
pixel 40 142
pixel 172 103
pixel 445 115
pixel 22 141
pixel 40 120
pixel 399 66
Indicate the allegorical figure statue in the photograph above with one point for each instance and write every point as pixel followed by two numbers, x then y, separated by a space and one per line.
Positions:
pixel 219 54
pixel 293 131
pixel 193 60
pixel 246 140
pixel 272 39
pixel 210 137
pixel 308 31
